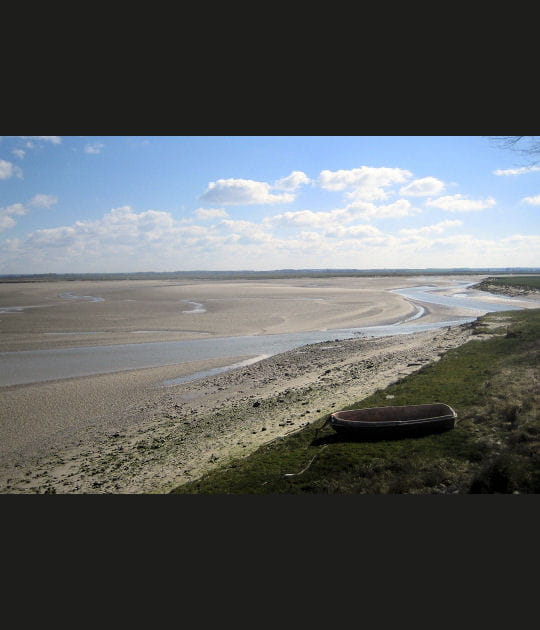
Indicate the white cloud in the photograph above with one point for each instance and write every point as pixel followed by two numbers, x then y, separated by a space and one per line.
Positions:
pixel 459 203
pixel 19 153
pixel 7 170
pixel 305 218
pixel 94 148
pixel 248 229
pixel 242 192
pixel 352 231
pixel 292 181
pixel 6 222
pixel 516 171
pixel 367 183
pixel 437 228
pixel 422 187
pixel 363 210
pixel 52 139
pixel 55 237
pixel 312 237
pixel 122 230
pixel 19 209
pixel 533 201
pixel 204 213
pixel 14 208
pixel 42 201
pixel 8 212
pixel 395 210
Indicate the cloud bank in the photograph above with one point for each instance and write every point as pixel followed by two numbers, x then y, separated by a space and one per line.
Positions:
pixel 124 239
pixel 376 222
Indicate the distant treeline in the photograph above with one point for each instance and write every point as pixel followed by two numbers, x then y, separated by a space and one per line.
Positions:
pixel 247 274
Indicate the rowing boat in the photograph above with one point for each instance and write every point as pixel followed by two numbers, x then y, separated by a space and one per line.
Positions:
pixel 402 420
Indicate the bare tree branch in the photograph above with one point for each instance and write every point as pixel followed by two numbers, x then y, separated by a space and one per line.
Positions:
pixel 526 145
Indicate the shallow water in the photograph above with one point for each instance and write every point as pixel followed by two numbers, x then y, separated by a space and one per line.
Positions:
pixel 20 309
pixel 197 307
pixel 471 301
pixel 211 372
pixel 86 298
pixel 30 366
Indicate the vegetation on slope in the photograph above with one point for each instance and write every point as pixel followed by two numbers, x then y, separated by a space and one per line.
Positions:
pixel 491 382
pixel 510 285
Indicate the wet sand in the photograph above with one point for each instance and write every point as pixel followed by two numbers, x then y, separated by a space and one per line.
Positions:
pixel 125 433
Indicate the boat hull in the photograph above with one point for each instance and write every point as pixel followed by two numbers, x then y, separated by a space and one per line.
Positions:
pixel 394 420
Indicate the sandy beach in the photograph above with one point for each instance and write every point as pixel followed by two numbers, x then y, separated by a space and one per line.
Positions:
pixel 127 433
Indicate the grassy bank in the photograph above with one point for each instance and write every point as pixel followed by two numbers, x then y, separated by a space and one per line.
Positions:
pixel 511 285
pixel 491 381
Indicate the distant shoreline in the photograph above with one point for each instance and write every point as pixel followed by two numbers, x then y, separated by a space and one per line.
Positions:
pixel 270 274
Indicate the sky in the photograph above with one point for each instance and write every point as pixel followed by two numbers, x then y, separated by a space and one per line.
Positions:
pixel 82 204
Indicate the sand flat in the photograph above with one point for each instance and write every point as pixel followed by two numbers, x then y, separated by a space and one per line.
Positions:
pixel 136 311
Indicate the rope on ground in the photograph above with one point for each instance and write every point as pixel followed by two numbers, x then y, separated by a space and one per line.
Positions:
pixel 304 469
pixel 327 421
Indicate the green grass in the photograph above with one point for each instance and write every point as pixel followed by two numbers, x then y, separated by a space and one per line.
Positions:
pixel 494 447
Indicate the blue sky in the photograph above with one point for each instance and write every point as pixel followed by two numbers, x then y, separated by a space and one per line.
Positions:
pixel 168 203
